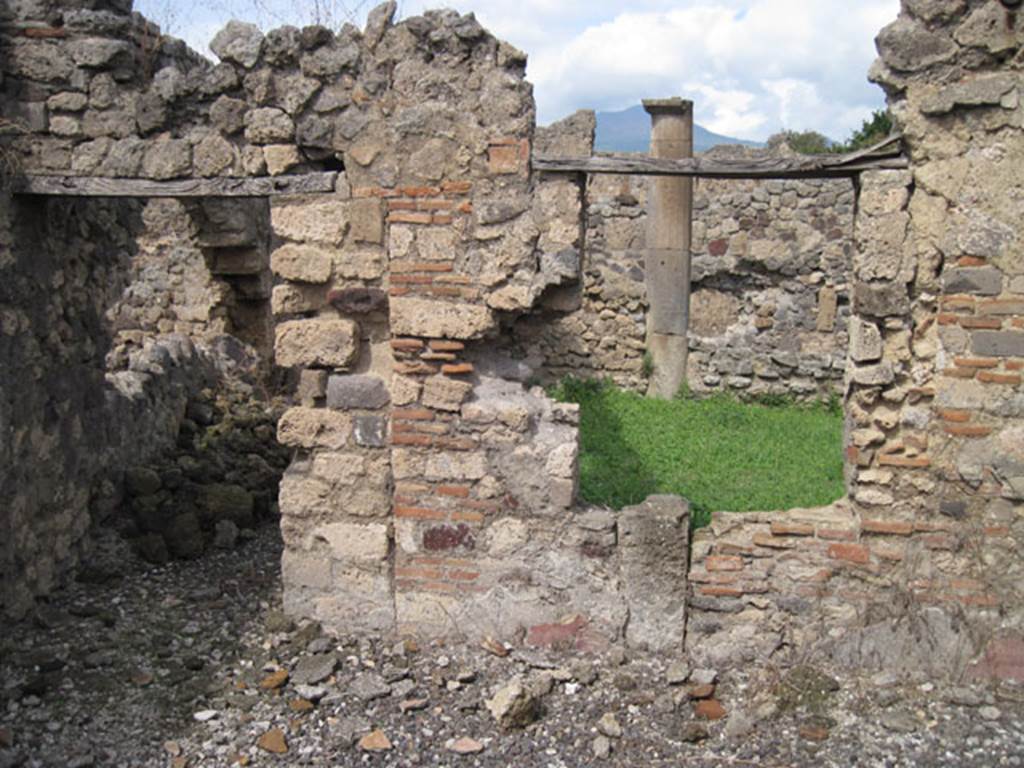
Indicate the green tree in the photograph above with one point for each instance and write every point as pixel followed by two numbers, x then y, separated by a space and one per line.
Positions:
pixel 804 142
pixel 871 132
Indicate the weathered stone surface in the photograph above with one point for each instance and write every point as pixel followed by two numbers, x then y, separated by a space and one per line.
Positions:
pixel 312 220
pixel 355 541
pixel 865 341
pixel 514 705
pixel 238 42
pixel 439 319
pixel 445 393
pixel 302 263
pixel 909 47
pixel 268 125
pixel 316 343
pixel 985 281
pixel 654 542
pixel 998 343
pixel 356 392
pixel 313 427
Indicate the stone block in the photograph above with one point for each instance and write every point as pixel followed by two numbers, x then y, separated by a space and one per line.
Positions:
pixel 883 299
pixel 984 281
pixel 367 221
pixel 316 343
pixel 303 427
pixel 358 391
pixel 998 343
pixel 358 301
pixel 301 569
pixel 370 431
pixel 653 551
pixel 355 542
pixel 439 319
pixel 444 393
pixel 167 159
pixel 268 125
pixel 239 43
pixel 873 375
pixel 359 602
pixel 281 158
pixel 302 263
pixel 312 386
pixel 865 341
pixel 312 220
pixel 290 299
pixel 455 465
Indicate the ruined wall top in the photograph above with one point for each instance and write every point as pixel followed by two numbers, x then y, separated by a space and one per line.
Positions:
pixel 96 91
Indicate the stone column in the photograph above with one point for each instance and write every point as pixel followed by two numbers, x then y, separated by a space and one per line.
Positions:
pixel 669 213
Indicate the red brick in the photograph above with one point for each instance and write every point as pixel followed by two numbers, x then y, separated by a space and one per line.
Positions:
pixel 851 553
pixel 441 218
pixel 709 709
pixel 967 430
pixel 722 563
pixel 412 439
pixel 420 191
pixel 398 267
pixel 939 541
pixel 959 417
pixel 457 187
pixel 407 279
pixel 970 261
pixel 465 207
pixel 463 575
pixel 440 345
pixel 505 157
pixel 1014 365
pixel 990 377
pixel 959 373
pixel 44 32
pixel 997 531
pixel 401 205
pixel 457 369
pixel 457 491
pixel 1002 307
pixel 946 318
pixel 976 362
pixel 792 529
pixel 447 291
pixel 981 323
pixel 420 513
pixel 394 291
pixel 562 634
pixel 461 516
pixel 886 527
pixel 406 344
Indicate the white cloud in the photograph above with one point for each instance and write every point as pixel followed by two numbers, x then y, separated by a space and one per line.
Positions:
pixel 752 66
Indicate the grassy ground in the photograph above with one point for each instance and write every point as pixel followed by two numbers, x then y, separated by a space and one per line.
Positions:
pixel 721 454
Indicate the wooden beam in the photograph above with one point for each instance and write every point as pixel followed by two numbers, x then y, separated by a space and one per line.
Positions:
pixel 885 155
pixel 98 186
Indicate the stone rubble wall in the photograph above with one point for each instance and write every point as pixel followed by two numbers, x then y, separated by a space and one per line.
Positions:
pixel 920 571
pixel 67 422
pixel 770 302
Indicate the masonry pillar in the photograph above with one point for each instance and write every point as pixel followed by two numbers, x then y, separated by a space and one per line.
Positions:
pixel 670 209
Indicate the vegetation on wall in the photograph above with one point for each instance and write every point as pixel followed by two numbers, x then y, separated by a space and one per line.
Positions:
pixel 871 132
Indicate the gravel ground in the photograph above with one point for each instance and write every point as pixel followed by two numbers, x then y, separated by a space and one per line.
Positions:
pixel 193 664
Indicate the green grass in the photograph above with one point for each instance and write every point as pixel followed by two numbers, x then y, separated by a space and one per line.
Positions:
pixel 721 454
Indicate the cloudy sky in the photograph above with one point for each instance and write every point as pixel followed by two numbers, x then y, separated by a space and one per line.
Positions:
pixel 752 67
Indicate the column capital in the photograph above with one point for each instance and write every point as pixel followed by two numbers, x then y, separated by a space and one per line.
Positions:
pixel 672 106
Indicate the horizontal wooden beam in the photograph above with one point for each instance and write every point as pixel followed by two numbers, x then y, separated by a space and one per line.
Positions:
pixel 98 186
pixel 882 156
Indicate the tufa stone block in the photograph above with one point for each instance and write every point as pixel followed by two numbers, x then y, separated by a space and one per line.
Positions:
pixel 439 319
pixel 316 343
pixel 302 263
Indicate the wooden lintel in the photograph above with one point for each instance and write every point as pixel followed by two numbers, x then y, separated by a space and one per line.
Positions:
pixel 98 186
pixel 882 156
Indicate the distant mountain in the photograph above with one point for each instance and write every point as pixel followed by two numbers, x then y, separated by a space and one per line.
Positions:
pixel 630 131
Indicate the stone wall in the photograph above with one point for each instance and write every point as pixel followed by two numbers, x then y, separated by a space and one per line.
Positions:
pixel 770 302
